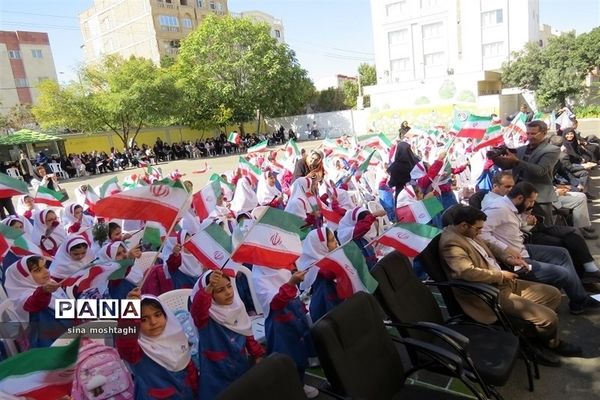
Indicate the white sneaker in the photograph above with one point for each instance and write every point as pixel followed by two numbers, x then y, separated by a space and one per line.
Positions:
pixel 310 391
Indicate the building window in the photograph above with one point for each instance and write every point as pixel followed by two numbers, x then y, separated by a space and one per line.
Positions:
pixel 433 30
pixel 219 6
pixel 277 33
pixel 187 23
pixel 491 18
pixel 199 3
pixel 395 9
pixel 168 20
pixel 399 64
pixel 493 49
pixel 37 53
pixel 397 37
pixel 42 78
pixel 14 54
pixel 212 5
pixel 433 59
pixel 184 2
pixel 20 82
pixel 429 3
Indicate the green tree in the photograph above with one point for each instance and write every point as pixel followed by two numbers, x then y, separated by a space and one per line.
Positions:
pixel 230 67
pixel 557 71
pixel 117 95
pixel 447 89
pixel 18 117
pixel 368 77
pixel 330 99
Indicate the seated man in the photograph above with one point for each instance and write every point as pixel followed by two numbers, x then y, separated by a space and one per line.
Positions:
pixel 550 264
pixel 469 258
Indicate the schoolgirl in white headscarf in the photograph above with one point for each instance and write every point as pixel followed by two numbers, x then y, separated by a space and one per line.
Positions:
pixel 33 293
pixel 181 266
pixel 72 256
pixel 19 223
pixel 267 192
pixel 299 203
pixel 74 220
pixel 244 198
pixel 47 231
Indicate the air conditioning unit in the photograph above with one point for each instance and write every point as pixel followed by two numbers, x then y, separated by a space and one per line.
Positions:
pixel 175 44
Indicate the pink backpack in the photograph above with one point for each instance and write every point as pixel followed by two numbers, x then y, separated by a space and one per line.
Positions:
pixel 101 374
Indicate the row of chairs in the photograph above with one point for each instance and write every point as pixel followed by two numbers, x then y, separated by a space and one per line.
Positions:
pixel 54 167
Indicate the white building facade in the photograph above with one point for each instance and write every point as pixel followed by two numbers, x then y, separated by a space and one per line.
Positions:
pixel 436 51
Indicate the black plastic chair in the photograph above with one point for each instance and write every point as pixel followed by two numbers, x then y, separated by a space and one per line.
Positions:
pixel 489 352
pixel 436 267
pixel 361 361
pixel 274 378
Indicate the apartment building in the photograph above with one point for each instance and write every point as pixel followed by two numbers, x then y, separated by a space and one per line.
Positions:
pixel 25 60
pixel 430 51
pixel 150 28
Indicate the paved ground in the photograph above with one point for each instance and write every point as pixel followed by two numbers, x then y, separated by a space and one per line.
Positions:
pixel 578 378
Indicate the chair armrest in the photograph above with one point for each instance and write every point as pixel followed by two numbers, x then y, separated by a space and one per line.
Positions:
pixel 445 358
pixel 452 337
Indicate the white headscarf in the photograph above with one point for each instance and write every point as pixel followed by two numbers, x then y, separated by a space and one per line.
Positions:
pixel 314 248
pixel 233 316
pixel 22 207
pixel 190 222
pixel 244 198
pixel 68 218
pixel 63 265
pixel 170 349
pixel 56 237
pixel 27 227
pixel 298 203
pixel 267 282
pixel 189 264
pixel 108 254
pixel 19 285
pixel 265 192
pixel 347 224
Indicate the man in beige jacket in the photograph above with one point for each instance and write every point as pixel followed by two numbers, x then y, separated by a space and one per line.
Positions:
pixel 471 259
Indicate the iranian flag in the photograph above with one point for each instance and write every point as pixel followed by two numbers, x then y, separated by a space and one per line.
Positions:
pixel 367 161
pixel 342 152
pixel 250 170
pixel 212 247
pixel 205 200
pixel 151 238
pixel 92 277
pixel 109 188
pixel 259 148
pixel 18 242
pixel 418 171
pixel 273 241
pixel 474 127
pixel 493 137
pixel 370 140
pixel 348 265
pixel 330 143
pixel 332 218
pixel 50 197
pixel 41 374
pixel 409 239
pixel 420 212
pixel 291 150
pixel 11 187
pixel 234 137
pixel 518 124
pixel 226 187
pixel 160 202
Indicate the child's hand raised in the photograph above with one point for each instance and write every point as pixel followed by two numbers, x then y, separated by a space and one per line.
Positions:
pixel 134 252
pixel 297 277
pixel 176 249
pixel 135 294
pixel 51 287
pixel 213 281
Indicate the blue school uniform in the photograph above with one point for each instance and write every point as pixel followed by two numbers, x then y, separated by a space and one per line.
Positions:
pixel 153 381
pixel 367 251
pixel 324 297
pixel 44 329
pixel 287 332
pixel 119 289
pixel 182 280
pixel 223 358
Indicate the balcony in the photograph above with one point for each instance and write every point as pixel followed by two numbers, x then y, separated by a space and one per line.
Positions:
pixel 165 28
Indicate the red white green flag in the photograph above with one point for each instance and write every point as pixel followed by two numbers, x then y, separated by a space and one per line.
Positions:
pixel 348 265
pixel 367 161
pixel 250 170
pixel 329 215
pixel 11 187
pixel 273 241
pixel 226 187
pixel 109 188
pixel 259 148
pixel 50 197
pixel 329 143
pixel 18 242
pixel 161 202
pixel 40 374
pixel 291 150
pixel 420 212
pixel 475 126
pixel 234 137
pixel 212 247
pixel 92 277
pixel 409 239
pixel 493 137
pixel 205 200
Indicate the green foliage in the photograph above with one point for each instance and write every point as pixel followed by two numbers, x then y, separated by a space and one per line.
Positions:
pixel 589 111
pixel 466 95
pixel 229 68
pixel 447 90
pixel 557 71
pixel 368 76
pixel 18 117
pixel 117 95
pixel 422 100
pixel 330 99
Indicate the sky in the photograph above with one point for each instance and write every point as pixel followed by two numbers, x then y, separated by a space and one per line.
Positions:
pixel 329 36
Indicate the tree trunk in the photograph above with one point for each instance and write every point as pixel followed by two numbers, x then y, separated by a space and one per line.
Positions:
pixel 258 123
pixel 241 126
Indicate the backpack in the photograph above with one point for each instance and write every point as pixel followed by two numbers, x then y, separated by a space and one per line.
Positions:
pixel 101 374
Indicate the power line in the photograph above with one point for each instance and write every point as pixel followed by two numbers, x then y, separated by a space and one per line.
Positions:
pixel 39 15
